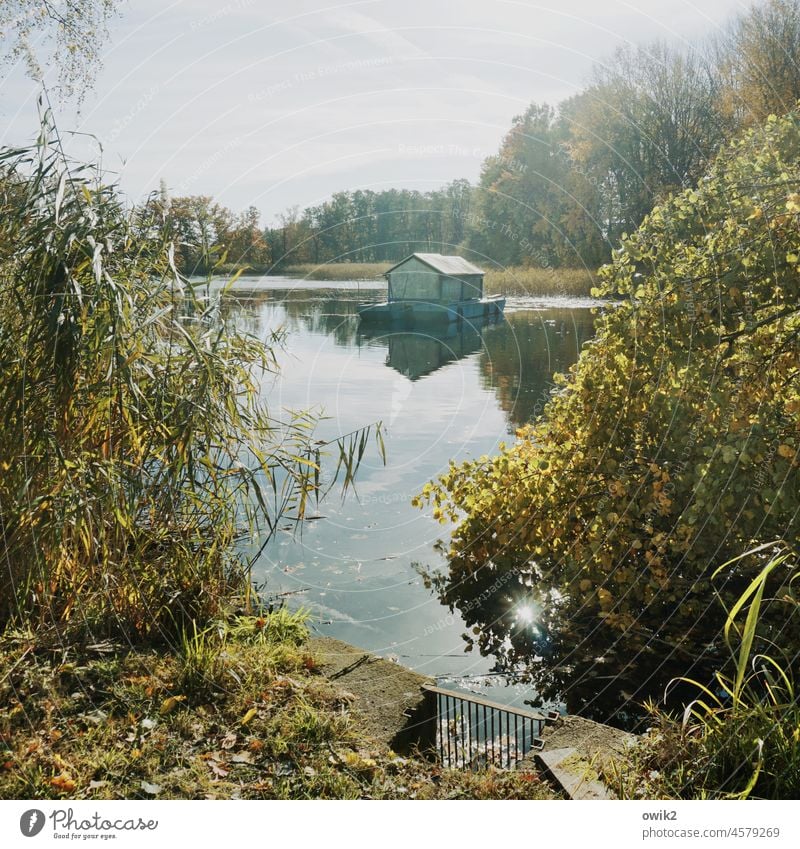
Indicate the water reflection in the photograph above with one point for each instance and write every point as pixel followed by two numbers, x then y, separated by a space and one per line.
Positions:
pixel 415 354
pixel 536 626
pixel 522 354
pixel 449 395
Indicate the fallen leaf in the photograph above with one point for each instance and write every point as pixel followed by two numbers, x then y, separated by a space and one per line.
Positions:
pixel 242 758
pixel 218 770
pixel 97 717
pixel 63 783
pixel 152 789
pixel 248 716
pixel 170 703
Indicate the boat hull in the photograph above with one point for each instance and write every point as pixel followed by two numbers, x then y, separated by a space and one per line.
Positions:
pixel 427 311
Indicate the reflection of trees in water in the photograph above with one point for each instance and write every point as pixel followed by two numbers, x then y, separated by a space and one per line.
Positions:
pixel 518 354
pixel 541 632
pixel 323 312
pixel 522 354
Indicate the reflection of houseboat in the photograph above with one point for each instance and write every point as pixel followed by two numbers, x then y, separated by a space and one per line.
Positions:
pixel 416 354
pixel 432 287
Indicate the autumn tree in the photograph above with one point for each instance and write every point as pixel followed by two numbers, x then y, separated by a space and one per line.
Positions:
pixel 669 448
pixel 758 59
pixel 647 125
pixel 532 205
pixel 246 245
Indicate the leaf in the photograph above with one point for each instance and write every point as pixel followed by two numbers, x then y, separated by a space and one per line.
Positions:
pixel 249 716
pixel 170 703
pixel 218 769
pixel 63 783
pixel 151 789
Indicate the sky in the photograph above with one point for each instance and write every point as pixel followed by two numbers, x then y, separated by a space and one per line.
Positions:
pixel 276 104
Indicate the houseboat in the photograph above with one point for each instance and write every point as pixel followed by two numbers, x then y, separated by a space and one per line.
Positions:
pixel 433 287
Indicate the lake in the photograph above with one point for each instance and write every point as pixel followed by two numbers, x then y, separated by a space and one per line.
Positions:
pixel 440 397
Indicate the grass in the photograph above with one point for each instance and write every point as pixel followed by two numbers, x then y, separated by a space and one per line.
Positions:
pixel 240 711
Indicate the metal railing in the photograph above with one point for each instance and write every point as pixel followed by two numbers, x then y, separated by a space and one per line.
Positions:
pixel 473 732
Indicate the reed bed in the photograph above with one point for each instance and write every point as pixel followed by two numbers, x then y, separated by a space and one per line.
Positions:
pixel 137 452
pixel 338 271
pixel 521 281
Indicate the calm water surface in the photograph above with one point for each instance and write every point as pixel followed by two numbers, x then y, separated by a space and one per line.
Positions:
pixel 440 397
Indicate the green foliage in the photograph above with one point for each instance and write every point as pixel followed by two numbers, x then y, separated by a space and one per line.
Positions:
pixel 137 449
pixel 201 662
pixel 671 446
pixel 371 227
pixel 280 626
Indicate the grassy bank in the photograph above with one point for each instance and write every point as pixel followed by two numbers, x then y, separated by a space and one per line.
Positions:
pixel 240 711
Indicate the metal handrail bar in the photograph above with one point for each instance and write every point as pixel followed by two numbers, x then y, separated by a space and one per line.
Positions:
pixel 479 700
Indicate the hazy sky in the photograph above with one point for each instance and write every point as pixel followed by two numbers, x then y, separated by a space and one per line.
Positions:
pixel 280 103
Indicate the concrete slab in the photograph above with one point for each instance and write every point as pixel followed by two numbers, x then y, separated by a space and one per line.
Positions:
pixel 573 774
pixel 388 697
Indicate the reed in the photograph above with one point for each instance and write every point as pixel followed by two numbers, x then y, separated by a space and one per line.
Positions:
pixel 540 282
pixel 137 451
pixel 338 271
pixel 518 281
